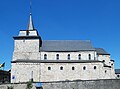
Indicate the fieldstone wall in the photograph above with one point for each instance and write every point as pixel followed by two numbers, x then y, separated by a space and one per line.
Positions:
pixel 23 72
pixel 90 84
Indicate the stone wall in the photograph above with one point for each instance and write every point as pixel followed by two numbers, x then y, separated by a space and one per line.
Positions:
pixel 23 72
pixel 90 84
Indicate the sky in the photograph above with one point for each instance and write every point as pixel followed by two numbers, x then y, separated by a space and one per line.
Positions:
pixel 94 20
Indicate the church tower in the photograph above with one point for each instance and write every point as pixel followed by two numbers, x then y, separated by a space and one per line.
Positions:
pixel 27 43
pixel 26 50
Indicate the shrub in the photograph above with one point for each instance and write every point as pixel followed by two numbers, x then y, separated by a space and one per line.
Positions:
pixel 29 85
pixel 10 87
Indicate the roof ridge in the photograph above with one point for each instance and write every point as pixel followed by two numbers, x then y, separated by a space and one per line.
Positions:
pixel 68 40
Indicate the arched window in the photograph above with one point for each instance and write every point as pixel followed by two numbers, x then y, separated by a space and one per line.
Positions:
pixel 95 67
pixel 49 68
pixel 79 56
pixel 32 76
pixel 118 76
pixel 68 56
pixel 89 56
pixel 73 68
pixel 84 68
pixel 61 68
pixel 105 71
pixel 57 56
pixel 45 56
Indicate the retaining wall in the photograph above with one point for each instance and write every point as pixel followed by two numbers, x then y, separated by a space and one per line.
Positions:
pixel 90 84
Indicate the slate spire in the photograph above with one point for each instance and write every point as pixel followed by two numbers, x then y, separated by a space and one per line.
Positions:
pixel 30 24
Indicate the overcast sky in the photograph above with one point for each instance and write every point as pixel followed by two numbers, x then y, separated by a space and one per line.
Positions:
pixel 94 20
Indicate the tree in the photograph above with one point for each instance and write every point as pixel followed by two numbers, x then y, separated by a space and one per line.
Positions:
pixel 29 85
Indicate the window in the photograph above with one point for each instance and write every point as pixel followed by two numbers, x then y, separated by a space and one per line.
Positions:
pixel 61 68
pixel 27 32
pixel 84 68
pixel 57 56
pixel 32 76
pixel 118 76
pixel 24 40
pixel 68 56
pixel 73 68
pixel 45 56
pixel 49 68
pixel 105 71
pixel 89 57
pixel 95 67
pixel 79 56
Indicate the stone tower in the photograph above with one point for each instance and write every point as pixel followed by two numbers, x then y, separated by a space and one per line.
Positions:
pixel 26 48
pixel 27 44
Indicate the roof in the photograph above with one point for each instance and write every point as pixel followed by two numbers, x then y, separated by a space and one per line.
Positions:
pixel 101 51
pixel 56 61
pixel 107 66
pixel 66 45
pixel 117 71
pixel 30 25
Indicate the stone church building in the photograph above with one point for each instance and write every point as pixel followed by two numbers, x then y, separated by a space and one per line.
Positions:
pixel 57 60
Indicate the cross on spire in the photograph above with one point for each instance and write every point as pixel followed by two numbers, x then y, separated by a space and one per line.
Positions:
pixel 30 7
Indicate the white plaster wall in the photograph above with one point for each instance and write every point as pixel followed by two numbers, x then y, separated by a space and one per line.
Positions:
pixel 73 55
pixel 55 74
pixel 22 72
pixel 106 58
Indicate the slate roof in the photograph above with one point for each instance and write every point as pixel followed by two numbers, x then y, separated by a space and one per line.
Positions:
pixel 66 45
pixel 117 71
pixel 101 51
pixel 57 61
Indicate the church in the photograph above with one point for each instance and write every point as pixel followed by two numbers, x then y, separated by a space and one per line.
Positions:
pixel 57 60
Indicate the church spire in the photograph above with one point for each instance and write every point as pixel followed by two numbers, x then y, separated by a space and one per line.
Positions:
pixel 30 24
